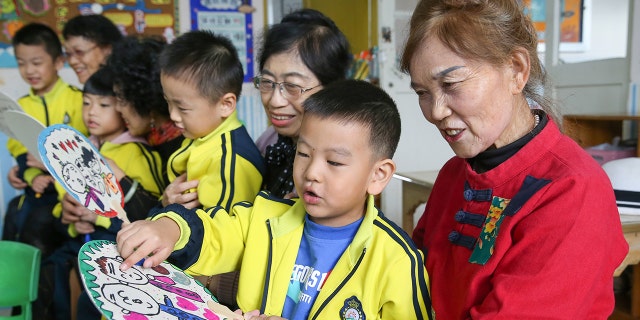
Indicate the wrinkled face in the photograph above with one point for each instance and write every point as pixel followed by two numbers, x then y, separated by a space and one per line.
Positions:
pixel 137 125
pixel 37 67
pixel 100 116
pixel 471 103
pixel 85 56
pixel 194 114
pixel 332 170
pixel 286 115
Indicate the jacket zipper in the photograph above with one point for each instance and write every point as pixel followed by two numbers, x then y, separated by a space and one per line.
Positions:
pixel 46 111
pixel 268 273
pixel 342 284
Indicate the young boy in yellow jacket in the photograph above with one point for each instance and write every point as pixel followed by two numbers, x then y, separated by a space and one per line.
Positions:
pixel 51 101
pixel 201 79
pixel 329 254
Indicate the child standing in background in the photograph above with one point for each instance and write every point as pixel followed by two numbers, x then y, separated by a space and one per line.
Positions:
pixel 201 79
pixel 330 254
pixel 130 154
pixel 51 101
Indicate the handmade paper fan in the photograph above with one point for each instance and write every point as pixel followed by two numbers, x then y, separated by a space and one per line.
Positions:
pixel 76 164
pixel 161 292
pixel 7 104
pixel 25 129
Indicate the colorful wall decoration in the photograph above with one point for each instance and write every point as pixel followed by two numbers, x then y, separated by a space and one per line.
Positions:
pixel 572 25
pixel 148 17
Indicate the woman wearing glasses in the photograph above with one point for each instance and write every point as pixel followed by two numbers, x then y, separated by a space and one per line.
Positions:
pixel 88 41
pixel 299 55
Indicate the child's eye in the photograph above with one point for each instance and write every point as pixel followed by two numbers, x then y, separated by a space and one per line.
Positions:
pixel 335 164
pixel 302 154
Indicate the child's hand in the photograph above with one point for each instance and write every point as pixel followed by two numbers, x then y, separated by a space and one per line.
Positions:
pixel 88 216
pixel 72 210
pixel 176 193
pixel 41 182
pixel 14 180
pixel 83 227
pixel 150 240
pixel 35 163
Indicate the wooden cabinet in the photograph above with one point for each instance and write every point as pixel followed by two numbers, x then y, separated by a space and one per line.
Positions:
pixel 591 130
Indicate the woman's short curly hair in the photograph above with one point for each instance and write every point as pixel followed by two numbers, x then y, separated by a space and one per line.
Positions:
pixel 134 62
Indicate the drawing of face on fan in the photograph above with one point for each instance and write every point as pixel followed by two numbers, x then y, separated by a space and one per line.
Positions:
pixel 81 184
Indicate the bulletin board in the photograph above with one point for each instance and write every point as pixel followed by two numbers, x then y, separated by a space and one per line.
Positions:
pixel 148 17
pixel 230 18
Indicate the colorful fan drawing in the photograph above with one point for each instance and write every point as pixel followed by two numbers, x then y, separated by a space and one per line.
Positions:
pixel 76 164
pixel 161 292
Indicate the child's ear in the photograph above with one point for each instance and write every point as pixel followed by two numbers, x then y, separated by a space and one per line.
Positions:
pixel 59 63
pixel 228 104
pixel 382 172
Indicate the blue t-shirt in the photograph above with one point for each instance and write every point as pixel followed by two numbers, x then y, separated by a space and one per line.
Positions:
pixel 320 249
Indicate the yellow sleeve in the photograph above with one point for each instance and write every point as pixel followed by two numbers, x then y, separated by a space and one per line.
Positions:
pixel 15 148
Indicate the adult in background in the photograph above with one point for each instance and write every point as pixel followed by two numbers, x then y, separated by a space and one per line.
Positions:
pixel 299 55
pixel 88 41
pixel 522 223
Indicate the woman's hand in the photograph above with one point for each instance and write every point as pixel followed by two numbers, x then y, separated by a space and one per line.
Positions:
pixel 178 192
pixel 14 180
pixel 152 241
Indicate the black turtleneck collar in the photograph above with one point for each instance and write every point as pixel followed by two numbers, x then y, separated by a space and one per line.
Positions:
pixel 493 156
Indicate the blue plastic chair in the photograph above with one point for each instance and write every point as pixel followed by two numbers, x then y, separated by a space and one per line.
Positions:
pixel 19 274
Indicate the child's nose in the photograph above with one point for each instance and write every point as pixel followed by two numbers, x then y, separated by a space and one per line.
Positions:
pixel 312 172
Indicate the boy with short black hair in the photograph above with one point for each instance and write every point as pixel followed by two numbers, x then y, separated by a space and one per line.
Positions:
pixel 51 101
pixel 328 254
pixel 201 77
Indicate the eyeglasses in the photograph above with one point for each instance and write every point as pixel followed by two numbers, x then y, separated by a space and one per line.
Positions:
pixel 288 90
pixel 78 53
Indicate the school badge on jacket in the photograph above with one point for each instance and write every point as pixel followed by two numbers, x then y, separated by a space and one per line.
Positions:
pixel 352 310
